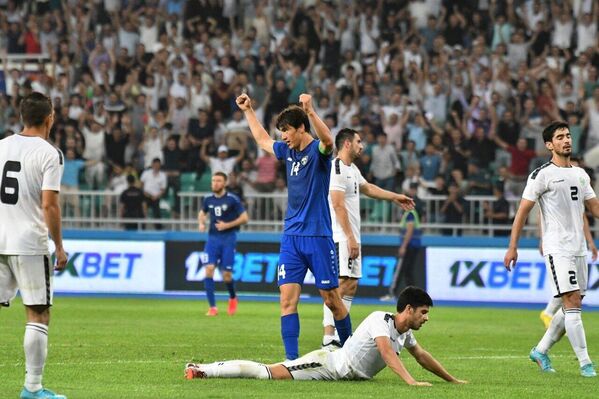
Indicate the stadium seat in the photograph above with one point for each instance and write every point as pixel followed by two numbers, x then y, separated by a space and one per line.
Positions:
pixel 204 183
pixel 188 180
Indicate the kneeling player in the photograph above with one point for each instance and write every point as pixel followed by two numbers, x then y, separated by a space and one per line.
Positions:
pixel 361 358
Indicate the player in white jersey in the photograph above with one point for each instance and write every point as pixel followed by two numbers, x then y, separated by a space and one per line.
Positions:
pixel 562 191
pixel 376 343
pixel 31 171
pixel 555 303
pixel 346 185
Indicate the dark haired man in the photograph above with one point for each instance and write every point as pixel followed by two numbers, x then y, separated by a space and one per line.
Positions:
pixel 344 200
pixel 29 208
pixel 562 191
pixel 307 241
pixel 375 344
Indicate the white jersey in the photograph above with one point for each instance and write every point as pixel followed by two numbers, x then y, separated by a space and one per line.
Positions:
pixel 560 192
pixel 360 358
pixel 347 179
pixel 28 166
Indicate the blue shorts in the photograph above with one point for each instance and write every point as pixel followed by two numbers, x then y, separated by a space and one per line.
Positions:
pixel 221 253
pixel 300 253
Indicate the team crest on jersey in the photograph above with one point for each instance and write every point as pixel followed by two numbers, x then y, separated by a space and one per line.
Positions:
pixel 304 160
pixel 582 180
pixel 224 207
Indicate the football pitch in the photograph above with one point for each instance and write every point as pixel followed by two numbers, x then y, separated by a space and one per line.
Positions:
pixel 137 348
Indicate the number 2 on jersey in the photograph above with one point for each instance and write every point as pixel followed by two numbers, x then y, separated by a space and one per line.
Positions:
pixel 574 193
pixel 9 188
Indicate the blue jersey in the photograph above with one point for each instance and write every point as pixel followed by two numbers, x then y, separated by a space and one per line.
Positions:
pixel 226 208
pixel 308 175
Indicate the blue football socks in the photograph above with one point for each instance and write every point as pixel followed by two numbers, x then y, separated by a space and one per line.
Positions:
pixel 209 287
pixel 290 329
pixel 343 329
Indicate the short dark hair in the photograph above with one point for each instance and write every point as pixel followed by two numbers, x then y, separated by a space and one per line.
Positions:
pixel 414 297
pixel 35 108
pixel 221 174
pixel 294 117
pixel 156 160
pixel 344 135
pixel 130 179
pixel 550 130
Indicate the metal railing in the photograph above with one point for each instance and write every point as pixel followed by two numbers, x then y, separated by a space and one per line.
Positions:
pixel 101 210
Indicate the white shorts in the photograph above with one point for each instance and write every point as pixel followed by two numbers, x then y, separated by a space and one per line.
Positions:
pixel 567 273
pixel 316 365
pixel 348 267
pixel 31 275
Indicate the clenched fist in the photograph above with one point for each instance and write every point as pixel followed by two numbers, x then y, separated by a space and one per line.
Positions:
pixel 244 102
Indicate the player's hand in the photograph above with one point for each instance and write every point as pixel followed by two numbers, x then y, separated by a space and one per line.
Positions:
pixel 406 203
pixel 61 259
pixel 306 102
pixel 421 384
pixel 243 102
pixel 202 227
pixel 593 249
pixel 220 225
pixel 353 248
pixel 509 261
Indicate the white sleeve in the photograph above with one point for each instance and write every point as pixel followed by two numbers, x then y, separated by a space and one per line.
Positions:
pixel 588 192
pixel 337 182
pixel 361 179
pixel 535 187
pixel 410 340
pixel 52 169
pixel 378 327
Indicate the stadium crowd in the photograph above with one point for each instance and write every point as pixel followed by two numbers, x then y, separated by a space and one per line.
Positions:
pixel 450 96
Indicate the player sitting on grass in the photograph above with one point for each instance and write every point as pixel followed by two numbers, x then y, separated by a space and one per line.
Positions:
pixel 375 344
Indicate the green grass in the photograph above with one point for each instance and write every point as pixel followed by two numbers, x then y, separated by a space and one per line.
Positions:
pixel 137 348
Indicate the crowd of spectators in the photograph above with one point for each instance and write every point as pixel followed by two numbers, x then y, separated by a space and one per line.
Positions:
pixel 450 96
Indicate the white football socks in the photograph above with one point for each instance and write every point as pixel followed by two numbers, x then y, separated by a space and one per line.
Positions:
pixel 576 335
pixel 327 315
pixel 237 369
pixel 36 350
pixel 553 306
pixel 554 333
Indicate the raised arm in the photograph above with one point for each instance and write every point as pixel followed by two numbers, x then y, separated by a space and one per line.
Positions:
pixel 511 256
pixel 431 364
pixel 321 129
pixel 260 134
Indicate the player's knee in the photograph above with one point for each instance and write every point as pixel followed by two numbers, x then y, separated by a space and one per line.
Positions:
pixel 209 271
pixel 227 277
pixel 288 305
pixel 572 300
pixel 38 314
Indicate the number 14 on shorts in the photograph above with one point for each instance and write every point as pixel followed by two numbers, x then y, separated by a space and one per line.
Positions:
pixel 281 273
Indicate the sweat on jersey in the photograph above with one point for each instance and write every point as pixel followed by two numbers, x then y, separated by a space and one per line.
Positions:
pixel 347 179
pixel 560 192
pixel 28 165
pixel 360 357
pixel 308 174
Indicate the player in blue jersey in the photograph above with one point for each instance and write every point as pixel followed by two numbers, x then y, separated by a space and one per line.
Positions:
pixel 226 215
pixel 307 241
